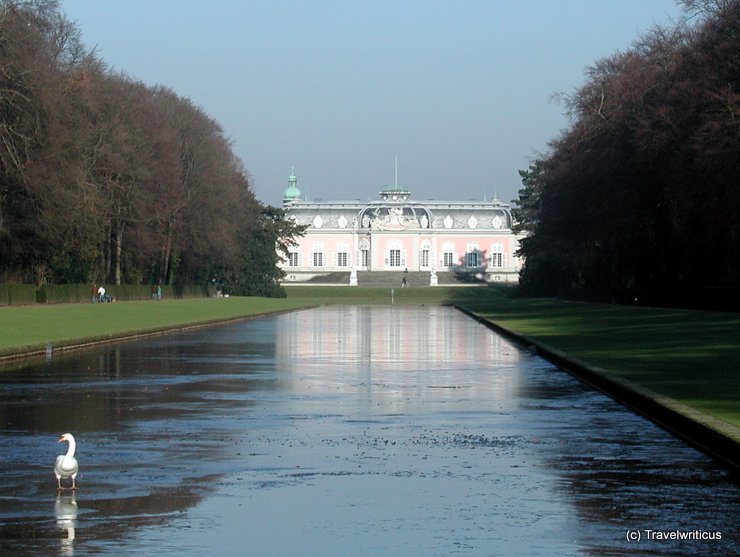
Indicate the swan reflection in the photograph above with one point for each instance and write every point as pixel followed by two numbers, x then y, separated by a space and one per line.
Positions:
pixel 65 512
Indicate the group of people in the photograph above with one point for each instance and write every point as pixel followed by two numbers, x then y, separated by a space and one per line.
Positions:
pixel 156 292
pixel 98 294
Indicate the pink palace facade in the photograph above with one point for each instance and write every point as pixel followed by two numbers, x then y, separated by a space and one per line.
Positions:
pixel 397 233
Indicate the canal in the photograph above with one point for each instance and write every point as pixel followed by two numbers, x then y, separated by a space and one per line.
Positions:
pixel 385 430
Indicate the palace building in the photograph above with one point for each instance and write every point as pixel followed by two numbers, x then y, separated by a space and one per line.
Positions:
pixel 398 233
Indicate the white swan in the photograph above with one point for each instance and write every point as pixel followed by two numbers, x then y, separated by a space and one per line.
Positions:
pixel 66 465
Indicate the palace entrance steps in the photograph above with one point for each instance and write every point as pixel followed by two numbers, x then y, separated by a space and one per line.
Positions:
pixel 392 279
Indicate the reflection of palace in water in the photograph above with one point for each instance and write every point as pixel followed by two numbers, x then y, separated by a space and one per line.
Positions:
pixel 389 342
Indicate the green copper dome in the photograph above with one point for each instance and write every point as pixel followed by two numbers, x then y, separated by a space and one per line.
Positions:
pixel 291 193
pixel 393 189
pixel 395 193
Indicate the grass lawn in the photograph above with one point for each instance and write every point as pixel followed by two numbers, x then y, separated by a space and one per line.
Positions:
pixel 36 325
pixel 690 356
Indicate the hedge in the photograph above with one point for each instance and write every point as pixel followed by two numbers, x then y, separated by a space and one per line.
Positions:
pixel 20 294
pixel 17 294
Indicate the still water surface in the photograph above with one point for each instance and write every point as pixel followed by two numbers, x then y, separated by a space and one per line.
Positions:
pixel 397 431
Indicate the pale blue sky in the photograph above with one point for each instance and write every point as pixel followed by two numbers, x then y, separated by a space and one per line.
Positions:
pixel 460 91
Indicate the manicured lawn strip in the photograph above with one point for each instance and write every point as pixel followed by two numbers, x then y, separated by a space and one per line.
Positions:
pixel 690 356
pixel 35 326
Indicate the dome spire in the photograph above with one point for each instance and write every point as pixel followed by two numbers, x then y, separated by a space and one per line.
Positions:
pixel 395 192
pixel 291 193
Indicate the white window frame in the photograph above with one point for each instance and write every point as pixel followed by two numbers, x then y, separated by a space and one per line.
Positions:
pixel 341 257
pixel 448 255
pixel 395 254
pixel 497 258
pixel 472 255
pixel 425 255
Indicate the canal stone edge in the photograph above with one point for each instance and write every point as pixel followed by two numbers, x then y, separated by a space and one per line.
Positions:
pixel 714 437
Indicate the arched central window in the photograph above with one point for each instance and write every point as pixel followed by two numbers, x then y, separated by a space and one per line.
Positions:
pixel 395 255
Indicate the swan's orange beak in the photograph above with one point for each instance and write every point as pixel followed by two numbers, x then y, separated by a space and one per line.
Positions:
pixel 61 439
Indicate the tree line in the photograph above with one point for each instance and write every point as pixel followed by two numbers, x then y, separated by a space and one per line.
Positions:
pixel 105 179
pixel 642 190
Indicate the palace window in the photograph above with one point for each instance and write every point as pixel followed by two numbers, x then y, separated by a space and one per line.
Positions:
pixel 395 255
pixel 448 255
pixel 317 255
pixel 364 258
pixel 497 258
pixel 341 258
pixel 472 255
pixel 425 255
pixel 293 259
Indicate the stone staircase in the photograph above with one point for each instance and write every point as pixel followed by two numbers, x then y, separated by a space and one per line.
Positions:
pixel 331 278
pixel 415 279
pixel 391 279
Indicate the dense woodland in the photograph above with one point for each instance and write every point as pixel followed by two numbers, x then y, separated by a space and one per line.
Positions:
pixel 104 179
pixel 642 192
